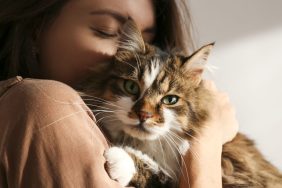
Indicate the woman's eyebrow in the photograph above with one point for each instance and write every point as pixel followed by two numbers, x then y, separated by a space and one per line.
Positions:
pixel 118 16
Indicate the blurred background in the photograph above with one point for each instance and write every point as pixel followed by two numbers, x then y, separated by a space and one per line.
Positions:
pixel 248 55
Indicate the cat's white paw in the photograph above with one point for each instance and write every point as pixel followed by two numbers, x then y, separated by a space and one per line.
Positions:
pixel 119 165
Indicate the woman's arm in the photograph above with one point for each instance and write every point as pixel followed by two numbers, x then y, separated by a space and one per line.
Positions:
pixel 203 161
pixel 49 139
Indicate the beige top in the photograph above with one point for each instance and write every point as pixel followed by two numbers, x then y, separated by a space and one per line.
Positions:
pixel 48 137
pixel 5 85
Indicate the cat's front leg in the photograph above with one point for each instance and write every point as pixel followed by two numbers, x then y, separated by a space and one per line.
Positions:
pixel 119 165
pixel 149 174
pixel 131 167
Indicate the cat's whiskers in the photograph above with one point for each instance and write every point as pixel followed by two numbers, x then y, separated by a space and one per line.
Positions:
pixel 171 171
pixel 98 106
pixel 194 153
pixel 162 150
pixel 72 114
pixel 101 109
pixel 97 114
pixel 176 128
pixel 102 118
pixel 171 148
pixel 108 110
pixel 101 113
pixel 176 136
pixel 170 136
pixel 98 99
pixel 193 137
pixel 97 102
pixel 181 139
pixel 62 118
pixel 166 167
pixel 173 135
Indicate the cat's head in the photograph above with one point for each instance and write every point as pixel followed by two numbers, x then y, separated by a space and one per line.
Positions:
pixel 150 92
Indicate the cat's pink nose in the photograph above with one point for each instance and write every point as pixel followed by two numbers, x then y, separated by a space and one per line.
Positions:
pixel 143 115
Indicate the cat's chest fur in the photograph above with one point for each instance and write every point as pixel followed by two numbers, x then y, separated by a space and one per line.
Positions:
pixel 166 151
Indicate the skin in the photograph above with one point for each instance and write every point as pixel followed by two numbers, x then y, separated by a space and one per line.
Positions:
pixel 84 34
pixel 204 159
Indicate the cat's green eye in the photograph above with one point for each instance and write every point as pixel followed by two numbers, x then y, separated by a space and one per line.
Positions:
pixel 170 99
pixel 131 87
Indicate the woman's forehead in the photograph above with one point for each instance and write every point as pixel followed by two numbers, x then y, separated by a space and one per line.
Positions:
pixel 141 11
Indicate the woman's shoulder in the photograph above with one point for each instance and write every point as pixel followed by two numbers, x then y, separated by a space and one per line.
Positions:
pixel 37 96
pixel 37 89
pixel 43 100
pixel 6 84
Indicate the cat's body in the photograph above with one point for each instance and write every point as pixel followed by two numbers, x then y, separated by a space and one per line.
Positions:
pixel 244 166
pixel 157 149
pixel 165 153
pixel 155 103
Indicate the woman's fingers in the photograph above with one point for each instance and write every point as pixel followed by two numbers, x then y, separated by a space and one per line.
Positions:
pixel 210 85
pixel 222 114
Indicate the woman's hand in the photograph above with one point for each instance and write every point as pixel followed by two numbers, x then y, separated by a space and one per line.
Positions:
pixel 222 123
pixel 203 160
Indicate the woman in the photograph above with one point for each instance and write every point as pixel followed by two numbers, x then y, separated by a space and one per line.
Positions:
pixel 48 137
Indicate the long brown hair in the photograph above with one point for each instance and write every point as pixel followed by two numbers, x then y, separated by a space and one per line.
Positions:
pixel 21 22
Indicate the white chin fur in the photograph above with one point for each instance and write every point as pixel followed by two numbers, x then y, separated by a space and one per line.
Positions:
pixel 138 133
pixel 130 126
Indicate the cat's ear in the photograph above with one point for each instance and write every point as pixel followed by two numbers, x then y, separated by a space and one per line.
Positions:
pixel 195 64
pixel 130 38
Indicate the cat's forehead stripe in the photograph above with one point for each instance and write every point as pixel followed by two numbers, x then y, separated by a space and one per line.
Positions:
pixel 151 72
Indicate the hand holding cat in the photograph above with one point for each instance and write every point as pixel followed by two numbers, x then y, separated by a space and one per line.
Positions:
pixel 222 122
pixel 204 157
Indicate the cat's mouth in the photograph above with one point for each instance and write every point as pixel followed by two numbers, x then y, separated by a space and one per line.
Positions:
pixel 142 127
pixel 142 131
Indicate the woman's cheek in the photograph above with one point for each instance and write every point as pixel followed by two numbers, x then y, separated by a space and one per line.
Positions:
pixel 93 50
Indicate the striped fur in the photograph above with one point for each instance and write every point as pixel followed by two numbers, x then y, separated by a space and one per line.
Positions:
pixel 167 130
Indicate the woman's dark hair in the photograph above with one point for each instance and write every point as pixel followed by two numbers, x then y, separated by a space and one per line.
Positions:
pixel 174 25
pixel 22 21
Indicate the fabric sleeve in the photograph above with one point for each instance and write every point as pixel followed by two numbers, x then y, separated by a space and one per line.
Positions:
pixel 48 138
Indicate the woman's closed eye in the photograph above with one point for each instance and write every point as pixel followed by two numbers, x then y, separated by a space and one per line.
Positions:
pixel 104 33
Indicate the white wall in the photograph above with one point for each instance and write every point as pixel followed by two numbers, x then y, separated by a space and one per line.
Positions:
pixel 248 54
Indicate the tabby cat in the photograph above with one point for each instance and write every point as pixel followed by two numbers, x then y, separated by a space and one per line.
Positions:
pixel 150 104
